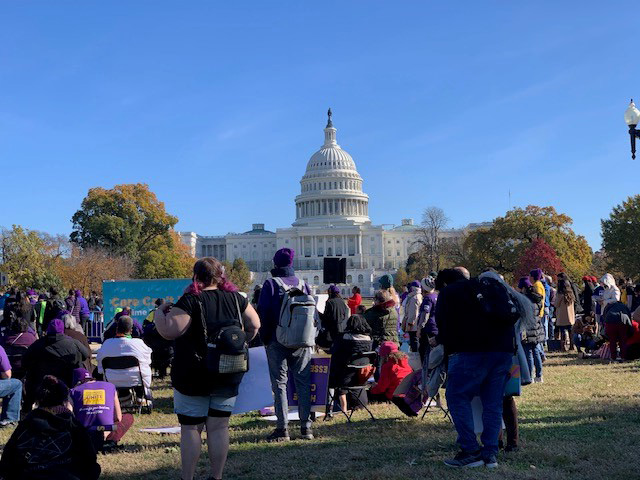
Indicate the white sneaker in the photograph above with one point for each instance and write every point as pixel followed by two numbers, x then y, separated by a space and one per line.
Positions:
pixel 538 380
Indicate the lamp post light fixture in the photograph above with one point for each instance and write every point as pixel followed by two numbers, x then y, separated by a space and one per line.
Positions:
pixel 632 118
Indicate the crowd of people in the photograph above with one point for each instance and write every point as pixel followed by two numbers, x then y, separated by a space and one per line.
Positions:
pixel 467 331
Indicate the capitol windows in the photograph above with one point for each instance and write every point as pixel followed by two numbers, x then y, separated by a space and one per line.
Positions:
pixel 360 279
pixel 349 279
pixel 316 280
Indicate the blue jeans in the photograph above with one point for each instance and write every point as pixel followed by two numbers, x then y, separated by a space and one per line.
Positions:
pixel 533 357
pixel 581 341
pixel 482 374
pixel 280 359
pixel 11 394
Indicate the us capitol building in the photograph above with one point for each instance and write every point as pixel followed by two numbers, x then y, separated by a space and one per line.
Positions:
pixel 332 220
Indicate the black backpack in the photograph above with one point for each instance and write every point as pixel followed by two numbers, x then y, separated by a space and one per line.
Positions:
pixel 494 301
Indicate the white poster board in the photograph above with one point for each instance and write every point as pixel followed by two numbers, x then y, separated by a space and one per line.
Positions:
pixel 255 389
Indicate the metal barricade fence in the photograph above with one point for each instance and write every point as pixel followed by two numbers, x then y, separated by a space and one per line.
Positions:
pixel 94 329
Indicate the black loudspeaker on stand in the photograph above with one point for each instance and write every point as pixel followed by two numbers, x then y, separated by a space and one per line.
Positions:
pixel 334 271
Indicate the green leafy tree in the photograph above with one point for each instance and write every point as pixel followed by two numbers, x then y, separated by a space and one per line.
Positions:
pixel 29 258
pixel 400 279
pixel 417 265
pixel 129 220
pixel 124 220
pixel 167 257
pixel 502 245
pixel 239 274
pixel 621 237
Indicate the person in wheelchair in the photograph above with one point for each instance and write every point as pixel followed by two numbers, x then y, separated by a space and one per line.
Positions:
pixel 355 341
pixel 123 344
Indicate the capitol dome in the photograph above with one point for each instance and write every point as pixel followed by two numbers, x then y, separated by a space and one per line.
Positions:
pixel 331 188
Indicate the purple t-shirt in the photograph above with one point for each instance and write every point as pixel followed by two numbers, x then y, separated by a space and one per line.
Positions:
pixel 94 404
pixel 4 361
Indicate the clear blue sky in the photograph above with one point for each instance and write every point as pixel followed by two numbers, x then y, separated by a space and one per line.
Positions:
pixel 219 105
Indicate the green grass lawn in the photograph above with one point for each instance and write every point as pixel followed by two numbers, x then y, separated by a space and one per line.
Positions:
pixel 583 422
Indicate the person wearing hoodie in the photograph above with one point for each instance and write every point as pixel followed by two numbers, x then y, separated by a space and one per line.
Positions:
pixel 610 293
pixel 427 328
pixel 335 315
pixel 281 358
pixel 480 353
pixel 50 443
pixel 411 316
pixel 383 319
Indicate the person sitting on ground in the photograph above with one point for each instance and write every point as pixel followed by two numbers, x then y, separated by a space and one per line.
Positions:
pixel 345 350
pixel 73 330
pixel 354 300
pixel 395 366
pixel 10 393
pixel 161 348
pixel 123 344
pixel 97 407
pixel 583 332
pixel 383 319
pixel 55 354
pixel 50 443
pixel 335 315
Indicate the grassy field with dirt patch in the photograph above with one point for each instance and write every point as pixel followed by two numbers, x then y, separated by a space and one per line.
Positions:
pixel 583 422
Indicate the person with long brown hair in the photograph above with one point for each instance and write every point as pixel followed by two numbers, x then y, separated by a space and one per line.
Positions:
pixel 565 312
pixel 203 398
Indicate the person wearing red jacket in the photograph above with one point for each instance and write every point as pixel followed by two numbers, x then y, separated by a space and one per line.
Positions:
pixel 354 300
pixel 395 366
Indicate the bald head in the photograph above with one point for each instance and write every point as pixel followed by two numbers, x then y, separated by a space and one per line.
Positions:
pixel 465 273
pixel 124 325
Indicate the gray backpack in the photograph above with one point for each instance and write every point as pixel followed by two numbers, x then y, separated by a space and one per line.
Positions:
pixel 297 322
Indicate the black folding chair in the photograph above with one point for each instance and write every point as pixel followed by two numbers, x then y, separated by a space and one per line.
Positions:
pixel 354 392
pixel 15 354
pixel 132 397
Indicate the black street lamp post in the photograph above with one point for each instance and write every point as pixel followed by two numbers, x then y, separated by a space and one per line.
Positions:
pixel 632 117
